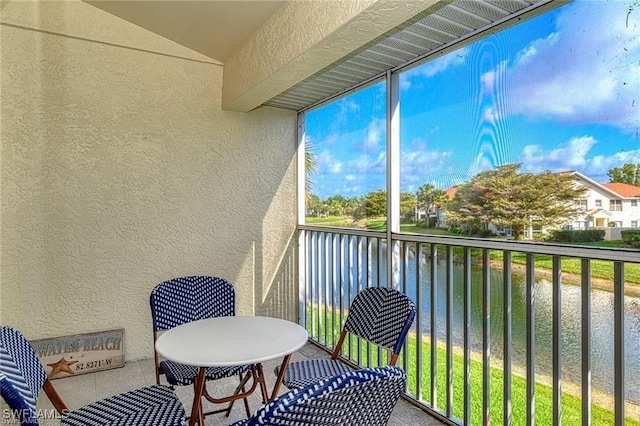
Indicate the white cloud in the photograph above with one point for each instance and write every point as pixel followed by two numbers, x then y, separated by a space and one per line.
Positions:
pixel 429 69
pixel 419 165
pixel 452 59
pixel 328 163
pixel 368 165
pixel 586 71
pixel 574 155
pixel 376 131
pixel 347 108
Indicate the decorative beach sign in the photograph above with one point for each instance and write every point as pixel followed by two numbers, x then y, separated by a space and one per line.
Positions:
pixel 81 353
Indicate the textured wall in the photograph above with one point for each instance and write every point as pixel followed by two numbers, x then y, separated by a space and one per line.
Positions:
pixel 119 170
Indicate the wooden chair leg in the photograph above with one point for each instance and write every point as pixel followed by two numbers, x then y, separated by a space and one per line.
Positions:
pixel 53 396
pixel 246 400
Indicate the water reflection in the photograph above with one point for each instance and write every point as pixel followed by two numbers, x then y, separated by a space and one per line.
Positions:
pixel 358 269
pixel 602 325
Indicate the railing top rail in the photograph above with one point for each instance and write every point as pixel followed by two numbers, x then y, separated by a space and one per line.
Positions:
pixel 600 253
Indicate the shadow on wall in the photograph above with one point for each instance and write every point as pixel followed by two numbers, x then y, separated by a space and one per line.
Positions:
pixel 280 292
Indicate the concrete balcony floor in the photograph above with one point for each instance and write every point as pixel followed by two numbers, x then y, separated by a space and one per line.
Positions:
pixel 87 388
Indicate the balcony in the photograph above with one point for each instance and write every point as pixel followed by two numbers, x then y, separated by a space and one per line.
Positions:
pixel 132 154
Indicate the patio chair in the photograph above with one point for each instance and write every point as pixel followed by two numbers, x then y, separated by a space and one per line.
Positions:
pixel 22 377
pixel 185 299
pixel 379 315
pixel 360 397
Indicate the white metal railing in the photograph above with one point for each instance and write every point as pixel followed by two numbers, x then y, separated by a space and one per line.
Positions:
pixel 465 306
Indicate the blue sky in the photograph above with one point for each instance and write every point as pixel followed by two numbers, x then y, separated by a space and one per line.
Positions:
pixel 558 92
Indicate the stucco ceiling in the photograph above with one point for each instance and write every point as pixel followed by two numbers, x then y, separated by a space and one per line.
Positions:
pixel 214 28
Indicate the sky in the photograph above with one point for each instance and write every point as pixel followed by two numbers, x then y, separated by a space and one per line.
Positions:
pixel 558 92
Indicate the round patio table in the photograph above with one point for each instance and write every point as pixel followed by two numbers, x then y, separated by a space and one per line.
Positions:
pixel 234 340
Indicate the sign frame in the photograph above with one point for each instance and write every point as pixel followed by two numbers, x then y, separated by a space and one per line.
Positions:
pixel 80 353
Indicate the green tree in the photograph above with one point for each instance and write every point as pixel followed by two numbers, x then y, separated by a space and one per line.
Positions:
pixel 314 205
pixel 407 203
pixel 429 198
pixel 628 173
pixel 336 205
pixel 505 197
pixel 351 206
pixel 375 203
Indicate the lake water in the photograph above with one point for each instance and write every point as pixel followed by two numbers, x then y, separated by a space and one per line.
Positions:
pixel 602 326
pixel 571 352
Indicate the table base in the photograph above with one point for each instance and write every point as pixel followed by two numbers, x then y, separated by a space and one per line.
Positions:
pixel 257 373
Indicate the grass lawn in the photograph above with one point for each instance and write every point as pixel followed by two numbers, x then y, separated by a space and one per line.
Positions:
pixel 329 220
pixel 599 268
pixel 571 405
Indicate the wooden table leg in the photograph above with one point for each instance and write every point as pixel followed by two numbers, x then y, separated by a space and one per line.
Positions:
pixel 263 383
pixel 283 369
pixel 196 409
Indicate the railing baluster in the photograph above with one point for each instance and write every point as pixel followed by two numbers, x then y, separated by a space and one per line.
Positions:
pixel 315 288
pixel 328 249
pixel 531 339
pixel 359 288
pixel 555 345
pixel 433 257
pixel 467 336
pixel 369 283
pixel 618 355
pixel 486 338
pixel 449 325
pixel 419 322
pixel 380 283
pixel 506 358
pixel 335 287
pixel 349 295
pixel 308 318
pixel 405 288
pixel 586 341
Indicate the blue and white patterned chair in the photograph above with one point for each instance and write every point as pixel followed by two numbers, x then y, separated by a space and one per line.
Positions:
pixel 185 299
pixel 360 397
pixel 22 377
pixel 379 315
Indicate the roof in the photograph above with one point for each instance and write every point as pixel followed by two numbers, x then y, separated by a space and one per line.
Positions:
pixel 598 212
pixel 451 192
pixel 623 189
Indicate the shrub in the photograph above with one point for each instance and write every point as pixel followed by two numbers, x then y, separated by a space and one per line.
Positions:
pixel 579 236
pixel 631 237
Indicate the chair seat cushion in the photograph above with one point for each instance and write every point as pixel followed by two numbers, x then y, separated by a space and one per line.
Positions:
pixel 153 405
pixel 303 373
pixel 184 375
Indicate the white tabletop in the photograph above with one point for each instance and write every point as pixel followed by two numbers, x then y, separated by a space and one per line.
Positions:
pixel 224 341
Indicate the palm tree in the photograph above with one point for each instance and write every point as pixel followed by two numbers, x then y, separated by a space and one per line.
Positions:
pixel 310 166
pixel 429 198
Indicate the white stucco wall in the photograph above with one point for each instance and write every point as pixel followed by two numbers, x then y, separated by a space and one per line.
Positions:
pixel 119 169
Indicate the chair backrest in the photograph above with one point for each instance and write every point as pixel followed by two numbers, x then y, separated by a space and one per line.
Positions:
pixel 381 315
pixel 21 375
pixel 360 397
pixel 185 299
